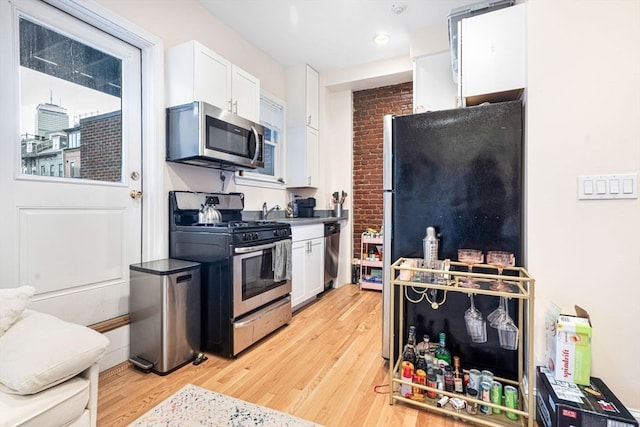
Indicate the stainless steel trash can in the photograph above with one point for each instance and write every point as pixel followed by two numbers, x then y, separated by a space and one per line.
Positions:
pixel 164 311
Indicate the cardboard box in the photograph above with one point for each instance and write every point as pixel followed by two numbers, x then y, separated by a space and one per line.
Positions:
pixel 568 347
pixel 565 404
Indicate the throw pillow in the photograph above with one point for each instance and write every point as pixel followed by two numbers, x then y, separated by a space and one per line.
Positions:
pixel 40 351
pixel 12 302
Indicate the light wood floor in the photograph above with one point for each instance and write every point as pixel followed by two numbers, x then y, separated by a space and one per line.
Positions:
pixel 325 367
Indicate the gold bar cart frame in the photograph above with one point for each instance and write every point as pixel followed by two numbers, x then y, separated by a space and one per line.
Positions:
pixel 524 284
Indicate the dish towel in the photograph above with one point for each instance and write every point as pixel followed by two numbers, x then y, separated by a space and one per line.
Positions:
pixel 281 261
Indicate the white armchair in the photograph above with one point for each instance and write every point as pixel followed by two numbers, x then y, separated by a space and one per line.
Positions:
pixel 49 372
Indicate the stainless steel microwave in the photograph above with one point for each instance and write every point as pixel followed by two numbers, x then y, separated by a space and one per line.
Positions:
pixel 204 135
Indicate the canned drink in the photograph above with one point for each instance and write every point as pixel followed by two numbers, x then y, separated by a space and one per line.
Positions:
pixel 485 395
pixel 487 376
pixel 474 379
pixel 496 395
pixel 511 401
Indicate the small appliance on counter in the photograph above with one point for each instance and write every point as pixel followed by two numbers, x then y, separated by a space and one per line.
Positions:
pixel 306 207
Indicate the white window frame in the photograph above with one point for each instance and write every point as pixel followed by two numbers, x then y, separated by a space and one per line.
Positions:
pixel 276 181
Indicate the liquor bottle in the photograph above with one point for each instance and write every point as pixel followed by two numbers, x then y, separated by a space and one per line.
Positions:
pixel 458 375
pixel 409 353
pixel 449 383
pixel 421 363
pixel 442 354
pixel 423 345
pixel 406 389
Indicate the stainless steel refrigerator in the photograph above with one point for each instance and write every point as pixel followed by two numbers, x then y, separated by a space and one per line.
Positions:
pixel 460 171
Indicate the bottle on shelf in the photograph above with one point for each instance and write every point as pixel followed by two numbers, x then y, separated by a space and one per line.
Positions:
pixel 409 353
pixel 424 344
pixel 442 354
pixel 458 376
pixel 407 375
pixel 421 362
pixel 449 383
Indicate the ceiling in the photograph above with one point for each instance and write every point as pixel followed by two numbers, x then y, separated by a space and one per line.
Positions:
pixel 330 34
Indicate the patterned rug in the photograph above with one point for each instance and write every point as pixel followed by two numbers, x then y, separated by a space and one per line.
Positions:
pixel 196 406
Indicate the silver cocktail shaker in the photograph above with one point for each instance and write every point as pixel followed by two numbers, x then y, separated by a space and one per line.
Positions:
pixel 430 247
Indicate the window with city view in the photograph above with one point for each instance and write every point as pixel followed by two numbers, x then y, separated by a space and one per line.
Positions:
pixel 70 100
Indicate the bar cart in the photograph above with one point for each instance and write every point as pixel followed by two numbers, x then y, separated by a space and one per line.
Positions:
pixel 407 273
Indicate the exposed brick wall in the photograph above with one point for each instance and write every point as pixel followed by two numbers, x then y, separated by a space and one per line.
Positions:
pixel 369 107
pixel 101 149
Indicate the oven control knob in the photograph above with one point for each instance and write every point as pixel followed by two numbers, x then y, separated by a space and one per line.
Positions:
pixel 255 236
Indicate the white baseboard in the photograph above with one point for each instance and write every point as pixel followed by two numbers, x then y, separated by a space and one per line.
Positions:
pixel 118 349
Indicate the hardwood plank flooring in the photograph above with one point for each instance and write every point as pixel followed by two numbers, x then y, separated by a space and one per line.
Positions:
pixel 325 367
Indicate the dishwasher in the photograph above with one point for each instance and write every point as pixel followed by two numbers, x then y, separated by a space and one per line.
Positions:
pixel 331 253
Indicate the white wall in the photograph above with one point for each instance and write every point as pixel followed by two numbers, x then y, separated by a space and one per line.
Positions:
pixel 336 160
pixel 583 112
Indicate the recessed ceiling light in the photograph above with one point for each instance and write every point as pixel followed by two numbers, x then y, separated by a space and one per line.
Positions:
pixel 381 38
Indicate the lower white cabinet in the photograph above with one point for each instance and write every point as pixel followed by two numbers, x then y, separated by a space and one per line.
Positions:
pixel 307 272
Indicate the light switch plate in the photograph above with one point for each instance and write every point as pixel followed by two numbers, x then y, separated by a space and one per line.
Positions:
pixel 619 186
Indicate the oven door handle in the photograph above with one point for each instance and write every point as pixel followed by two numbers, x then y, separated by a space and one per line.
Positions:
pixel 250 249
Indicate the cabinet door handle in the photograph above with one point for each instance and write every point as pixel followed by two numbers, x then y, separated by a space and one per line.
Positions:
pixel 229 108
pixel 235 106
pixel 309 119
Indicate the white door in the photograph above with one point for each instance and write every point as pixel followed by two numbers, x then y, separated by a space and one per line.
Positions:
pixel 70 135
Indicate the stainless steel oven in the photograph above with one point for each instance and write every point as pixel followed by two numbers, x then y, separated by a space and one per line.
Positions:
pixel 242 298
pixel 253 278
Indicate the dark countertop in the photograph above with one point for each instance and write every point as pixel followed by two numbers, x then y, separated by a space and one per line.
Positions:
pixel 320 217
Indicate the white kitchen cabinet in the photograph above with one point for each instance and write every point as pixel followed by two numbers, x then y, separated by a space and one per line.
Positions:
pixel 196 73
pixel 302 157
pixel 245 94
pixel 433 88
pixel 303 127
pixel 493 55
pixel 307 255
pixel 303 96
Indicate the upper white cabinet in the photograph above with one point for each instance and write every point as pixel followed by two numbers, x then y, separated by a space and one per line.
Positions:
pixel 302 157
pixel 302 96
pixel 433 88
pixel 302 126
pixel 493 55
pixel 245 94
pixel 196 73
pixel 312 86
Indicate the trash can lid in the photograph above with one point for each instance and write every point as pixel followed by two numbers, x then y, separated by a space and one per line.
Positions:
pixel 166 266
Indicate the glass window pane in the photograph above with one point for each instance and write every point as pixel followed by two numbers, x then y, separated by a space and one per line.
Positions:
pixel 70 107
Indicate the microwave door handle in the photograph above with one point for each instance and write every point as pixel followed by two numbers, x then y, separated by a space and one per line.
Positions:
pixel 254 248
pixel 255 135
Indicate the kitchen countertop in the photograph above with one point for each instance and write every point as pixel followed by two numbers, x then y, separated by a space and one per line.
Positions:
pixel 320 217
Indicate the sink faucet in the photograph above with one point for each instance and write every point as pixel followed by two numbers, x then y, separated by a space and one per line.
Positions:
pixel 266 212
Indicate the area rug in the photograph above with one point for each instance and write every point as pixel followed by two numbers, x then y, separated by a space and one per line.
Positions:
pixel 196 406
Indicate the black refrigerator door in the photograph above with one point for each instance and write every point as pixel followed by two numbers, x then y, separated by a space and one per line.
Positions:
pixel 460 171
